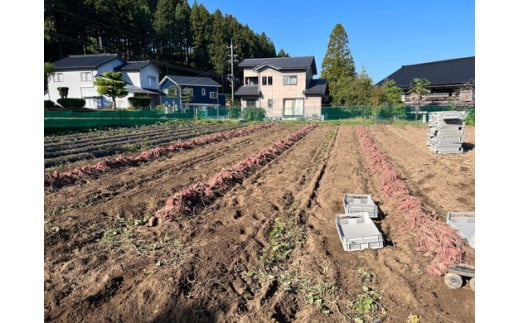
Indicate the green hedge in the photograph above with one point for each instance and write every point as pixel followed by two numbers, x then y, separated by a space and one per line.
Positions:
pixel 399 112
pixel 253 114
pixel 71 102
pixel 139 102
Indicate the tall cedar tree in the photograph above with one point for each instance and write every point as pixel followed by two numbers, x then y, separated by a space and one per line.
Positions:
pixel 338 65
pixel 164 27
pixel 167 31
pixel 201 22
pixel 184 30
pixel 111 85
pixel 218 49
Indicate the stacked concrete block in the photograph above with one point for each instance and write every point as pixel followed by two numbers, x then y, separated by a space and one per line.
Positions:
pixel 446 132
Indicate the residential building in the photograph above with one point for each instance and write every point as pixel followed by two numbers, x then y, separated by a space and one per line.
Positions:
pixel 79 72
pixel 204 92
pixel 283 86
pixel 142 78
pixel 452 81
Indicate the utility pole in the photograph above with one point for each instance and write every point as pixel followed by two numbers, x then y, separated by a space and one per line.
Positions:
pixel 232 80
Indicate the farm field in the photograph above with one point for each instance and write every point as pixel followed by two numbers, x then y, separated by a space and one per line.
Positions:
pixel 242 229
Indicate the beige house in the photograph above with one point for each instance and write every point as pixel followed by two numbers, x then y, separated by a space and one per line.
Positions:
pixel 283 86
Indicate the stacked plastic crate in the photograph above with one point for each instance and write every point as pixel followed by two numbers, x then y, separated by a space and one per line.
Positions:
pixel 356 229
pixel 446 132
pixel 464 222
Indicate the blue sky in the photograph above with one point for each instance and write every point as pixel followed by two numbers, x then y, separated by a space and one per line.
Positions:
pixel 383 35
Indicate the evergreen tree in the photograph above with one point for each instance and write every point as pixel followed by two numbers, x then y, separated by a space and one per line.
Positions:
pixel 111 85
pixel 201 22
pixel 48 69
pixel 392 93
pixel 418 88
pixel 282 53
pixel 338 65
pixel 164 26
pixel 182 25
pixel 218 49
pixel 266 46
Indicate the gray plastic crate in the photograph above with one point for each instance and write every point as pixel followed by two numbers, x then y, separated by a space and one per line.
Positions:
pixel 447 149
pixel 358 232
pixel 464 222
pixel 353 203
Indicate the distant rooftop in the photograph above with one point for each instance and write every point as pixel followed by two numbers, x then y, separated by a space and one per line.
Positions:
pixel 281 63
pixel 439 73
pixel 193 80
pixel 78 62
pixel 134 66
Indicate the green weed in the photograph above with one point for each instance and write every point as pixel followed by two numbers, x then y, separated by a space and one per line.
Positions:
pixel 367 306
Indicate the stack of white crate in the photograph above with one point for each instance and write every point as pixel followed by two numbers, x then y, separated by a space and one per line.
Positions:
pixel 446 132
pixel 355 228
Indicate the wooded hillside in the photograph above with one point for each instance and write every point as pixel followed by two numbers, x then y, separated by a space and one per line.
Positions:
pixel 180 39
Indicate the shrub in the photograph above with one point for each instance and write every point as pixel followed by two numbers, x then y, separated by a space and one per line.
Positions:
pixel 470 117
pixel 139 102
pixel 71 103
pixel 49 104
pixel 234 112
pixel 63 92
pixel 253 114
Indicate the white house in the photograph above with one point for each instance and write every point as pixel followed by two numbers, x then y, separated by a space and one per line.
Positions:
pixel 78 73
pixel 142 78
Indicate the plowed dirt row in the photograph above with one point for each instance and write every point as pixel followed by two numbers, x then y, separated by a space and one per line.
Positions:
pixel 102 263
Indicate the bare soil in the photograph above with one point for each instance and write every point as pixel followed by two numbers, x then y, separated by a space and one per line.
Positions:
pixel 103 263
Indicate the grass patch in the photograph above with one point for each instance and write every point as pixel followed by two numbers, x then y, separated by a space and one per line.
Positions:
pixel 287 234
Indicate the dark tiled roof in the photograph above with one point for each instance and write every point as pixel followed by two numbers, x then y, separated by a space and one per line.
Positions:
pixel 79 62
pixel 134 66
pixel 446 72
pixel 193 80
pixel 281 63
pixel 248 90
pixel 317 87
pixel 136 89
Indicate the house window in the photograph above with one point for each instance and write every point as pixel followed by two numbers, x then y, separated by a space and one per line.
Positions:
pixel 250 103
pixel 57 77
pixel 270 103
pixel 290 80
pixel 203 92
pixel 86 76
pixel 151 81
pixel 213 95
pixel 251 80
pixel 267 80
pixel 293 107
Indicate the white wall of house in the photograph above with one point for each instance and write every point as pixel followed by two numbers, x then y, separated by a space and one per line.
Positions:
pixel 132 77
pixel 147 73
pixel 73 80
pixel 146 78
pixel 80 83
